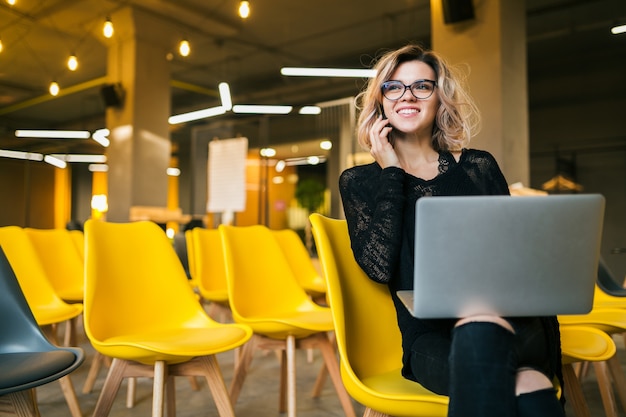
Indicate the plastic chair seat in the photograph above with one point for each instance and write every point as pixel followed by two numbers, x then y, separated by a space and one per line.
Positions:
pixel 593 347
pixel 56 313
pixel 172 346
pixel 19 369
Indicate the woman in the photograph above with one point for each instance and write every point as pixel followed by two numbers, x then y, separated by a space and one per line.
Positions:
pixel 416 120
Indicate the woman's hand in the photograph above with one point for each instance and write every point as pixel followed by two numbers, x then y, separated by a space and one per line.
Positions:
pixel 381 147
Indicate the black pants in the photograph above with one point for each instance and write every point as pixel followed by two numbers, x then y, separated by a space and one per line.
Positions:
pixel 476 365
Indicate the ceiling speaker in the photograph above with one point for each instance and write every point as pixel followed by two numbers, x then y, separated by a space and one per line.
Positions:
pixel 455 11
pixel 112 95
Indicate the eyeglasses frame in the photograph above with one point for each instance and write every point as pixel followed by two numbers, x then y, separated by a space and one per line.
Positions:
pixel 408 87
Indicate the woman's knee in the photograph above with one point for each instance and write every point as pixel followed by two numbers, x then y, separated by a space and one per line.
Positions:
pixel 486 318
pixel 529 380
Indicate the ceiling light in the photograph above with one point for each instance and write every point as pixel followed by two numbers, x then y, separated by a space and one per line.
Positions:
pixel 280 166
pixel 183 48
pixel 72 62
pixel 267 152
pixel 195 115
pixel 29 156
pixel 1 46
pixel 55 161
pixel 310 110
pixel 227 101
pixel 616 30
pixel 326 145
pixel 54 88
pixel 53 134
pixel 98 168
pixel 244 9
pixel 11 2
pixel 261 109
pixel 328 72
pixel 107 29
pixel 101 136
pixel 173 172
pixel 95 159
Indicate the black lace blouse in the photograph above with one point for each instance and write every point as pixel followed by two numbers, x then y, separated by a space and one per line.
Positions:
pixel 379 205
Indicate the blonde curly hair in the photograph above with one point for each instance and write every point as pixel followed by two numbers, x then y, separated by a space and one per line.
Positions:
pixel 457 118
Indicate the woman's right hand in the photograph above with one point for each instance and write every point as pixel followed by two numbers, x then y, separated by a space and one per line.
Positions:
pixel 381 147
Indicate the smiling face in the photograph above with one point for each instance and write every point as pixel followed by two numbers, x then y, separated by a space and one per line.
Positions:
pixel 409 115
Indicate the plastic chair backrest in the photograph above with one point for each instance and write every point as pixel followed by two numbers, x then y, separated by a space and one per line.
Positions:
pixel 32 277
pixel 209 261
pixel 607 282
pixel 134 282
pixel 260 280
pixel 61 260
pixel 368 339
pixel 300 260
pixel 22 335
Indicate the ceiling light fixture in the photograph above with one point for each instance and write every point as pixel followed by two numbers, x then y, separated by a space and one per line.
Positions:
pixel 107 29
pixel 29 156
pixel 616 30
pixel 92 159
pixel 98 168
pixel 1 46
pixel 11 2
pixel 261 109
pixel 72 62
pixel 244 9
pixel 326 145
pixel 183 48
pixel 328 72
pixel 227 101
pixel 101 136
pixel 53 134
pixel 310 110
pixel 54 88
pixel 195 115
pixel 172 172
pixel 55 161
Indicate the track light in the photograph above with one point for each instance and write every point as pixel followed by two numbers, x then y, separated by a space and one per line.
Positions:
pixel 183 48
pixel 107 30
pixel 244 9
pixel 616 30
pixel 54 88
pixel 72 62
pixel 227 102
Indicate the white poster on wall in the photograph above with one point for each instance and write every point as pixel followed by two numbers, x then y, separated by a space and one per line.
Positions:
pixel 227 175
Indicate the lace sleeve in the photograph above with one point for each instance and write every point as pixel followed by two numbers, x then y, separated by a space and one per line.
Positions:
pixel 373 201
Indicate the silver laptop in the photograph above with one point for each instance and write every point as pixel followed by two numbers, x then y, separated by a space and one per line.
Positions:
pixel 509 256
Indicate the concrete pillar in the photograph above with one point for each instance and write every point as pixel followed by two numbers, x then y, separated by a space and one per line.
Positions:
pixel 139 153
pixel 493 45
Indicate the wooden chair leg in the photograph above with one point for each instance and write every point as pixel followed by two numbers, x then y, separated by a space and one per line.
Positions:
pixel 373 413
pixel 20 404
pixel 170 394
pixel 291 376
pixel 214 379
pixel 574 392
pixel 282 390
pixel 96 363
pixel 241 371
pixel 70 396
pixel 619 381
pixel 319 382
pixel 131 387
pixel 332 365
pixel 110 388
pixel 606 391
pixel 158 391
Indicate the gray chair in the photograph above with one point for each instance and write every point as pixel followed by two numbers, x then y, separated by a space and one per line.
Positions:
pixel 27 358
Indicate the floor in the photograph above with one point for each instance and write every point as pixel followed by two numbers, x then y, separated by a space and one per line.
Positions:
pixel 259 396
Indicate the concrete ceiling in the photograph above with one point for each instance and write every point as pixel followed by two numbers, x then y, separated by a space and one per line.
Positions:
pixel 39 35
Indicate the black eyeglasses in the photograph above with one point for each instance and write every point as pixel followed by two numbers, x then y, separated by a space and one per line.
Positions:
pixel 421 89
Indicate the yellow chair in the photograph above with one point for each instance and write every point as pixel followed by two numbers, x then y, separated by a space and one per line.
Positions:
pixel 368 340
pixel 264 293
pixel 61 260
pixel 301 263
pixel 586 344
pixel 47 307
pixel 141 311
pixel 611 321
pixel 209 270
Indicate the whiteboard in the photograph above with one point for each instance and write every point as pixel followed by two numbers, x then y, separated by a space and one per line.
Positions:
pixel 227 175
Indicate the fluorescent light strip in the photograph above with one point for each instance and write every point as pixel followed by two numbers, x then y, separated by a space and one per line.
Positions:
pixel 53 134
pixel 21 155
pixel 55 161
pixel 101 136
pixel 310 110
pixel 98 167
pixel 261 109
pixel 95 159
pixel 195 115
pixel 328 72
pixel 616 30
pixel 227 101
pixel 173 172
